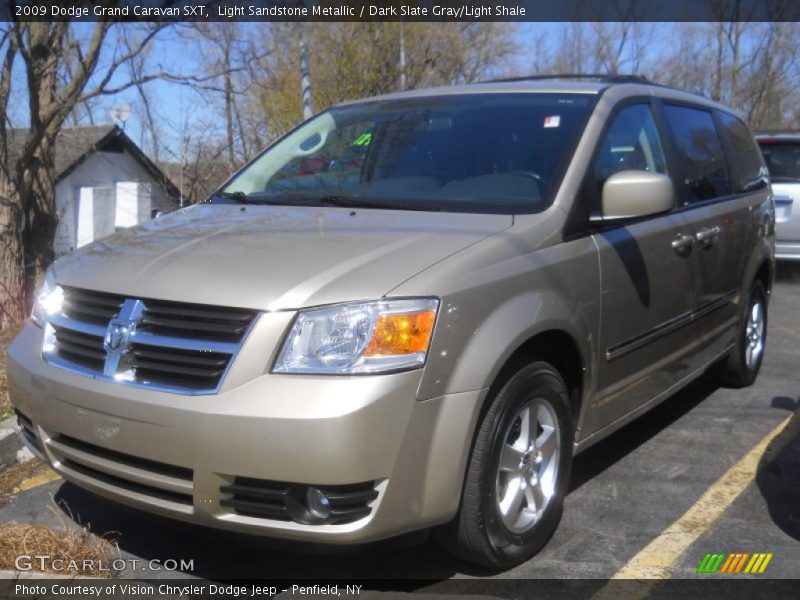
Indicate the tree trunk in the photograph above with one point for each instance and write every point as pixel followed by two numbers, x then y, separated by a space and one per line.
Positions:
pixel 12 283
pixel 36 189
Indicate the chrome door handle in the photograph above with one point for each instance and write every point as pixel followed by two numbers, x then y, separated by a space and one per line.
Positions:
pixel 707 236
pixel 682 244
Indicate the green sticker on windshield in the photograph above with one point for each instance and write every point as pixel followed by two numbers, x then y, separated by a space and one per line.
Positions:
pixel 363 140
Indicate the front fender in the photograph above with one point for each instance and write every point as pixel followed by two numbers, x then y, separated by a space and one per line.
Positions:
pixel 492 310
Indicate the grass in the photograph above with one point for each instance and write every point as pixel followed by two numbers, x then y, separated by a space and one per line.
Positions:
pixel 78 552
pixel 90 554
pixel 12 477
pixel 6 335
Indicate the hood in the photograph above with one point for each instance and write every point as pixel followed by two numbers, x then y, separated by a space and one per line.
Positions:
pixel 273 257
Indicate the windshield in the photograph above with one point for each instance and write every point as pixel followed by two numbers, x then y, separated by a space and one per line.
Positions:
pixel 498 153
pixel 782 158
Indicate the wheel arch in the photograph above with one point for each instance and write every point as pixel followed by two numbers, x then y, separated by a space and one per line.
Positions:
pixel 555 347
pixel 765 273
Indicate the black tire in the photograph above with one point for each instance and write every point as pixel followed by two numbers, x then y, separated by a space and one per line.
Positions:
pixel 734 370
pixel 478 533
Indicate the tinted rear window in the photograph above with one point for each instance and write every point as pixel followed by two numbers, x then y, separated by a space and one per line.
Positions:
pixel 700 152
pixel 782 158
pixel 746 156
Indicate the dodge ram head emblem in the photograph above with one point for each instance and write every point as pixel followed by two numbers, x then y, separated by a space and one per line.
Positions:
pixel 117 336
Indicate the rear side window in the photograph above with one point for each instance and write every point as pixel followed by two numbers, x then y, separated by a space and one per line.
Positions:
pixel 700 153
pixel 783 159
pixel 746 155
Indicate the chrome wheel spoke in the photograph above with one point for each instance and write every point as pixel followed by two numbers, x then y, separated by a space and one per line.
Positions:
pixel 546 442
pixel 511 504
pixel 535 496
pixel 754 335
pixel 528 465
pixel 510 458
pixel 527 431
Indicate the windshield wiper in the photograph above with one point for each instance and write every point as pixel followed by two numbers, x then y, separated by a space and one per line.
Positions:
pixel 237 197
pixel 257 198
pixel 351 202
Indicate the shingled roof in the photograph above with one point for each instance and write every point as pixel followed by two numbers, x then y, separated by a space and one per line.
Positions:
pixel 76 144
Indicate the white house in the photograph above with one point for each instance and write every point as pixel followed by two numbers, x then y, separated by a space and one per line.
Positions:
pixel 104 182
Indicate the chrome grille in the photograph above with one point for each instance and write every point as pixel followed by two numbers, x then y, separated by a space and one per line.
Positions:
pixel 171 366
pixel 197 322
pixel 81 348
pixel 91 307
pixel 172 346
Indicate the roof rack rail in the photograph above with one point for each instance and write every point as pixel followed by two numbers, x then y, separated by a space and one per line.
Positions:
pixel 604 77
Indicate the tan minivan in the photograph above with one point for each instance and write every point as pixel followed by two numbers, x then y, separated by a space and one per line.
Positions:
pixel 411 311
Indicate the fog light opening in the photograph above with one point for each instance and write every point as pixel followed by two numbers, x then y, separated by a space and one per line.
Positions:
pixel 318 504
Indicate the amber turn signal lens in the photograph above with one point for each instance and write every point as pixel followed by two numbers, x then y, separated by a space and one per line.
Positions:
pixel 405 333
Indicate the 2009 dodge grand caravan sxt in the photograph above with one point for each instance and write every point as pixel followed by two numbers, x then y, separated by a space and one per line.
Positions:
pixel 411 311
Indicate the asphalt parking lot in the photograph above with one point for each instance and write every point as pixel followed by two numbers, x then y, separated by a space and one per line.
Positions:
pixel 660 493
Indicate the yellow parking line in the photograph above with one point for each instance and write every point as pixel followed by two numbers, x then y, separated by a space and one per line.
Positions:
pixel 36 481
pixel 657 559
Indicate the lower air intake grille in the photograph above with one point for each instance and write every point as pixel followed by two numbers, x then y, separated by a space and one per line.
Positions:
pixel 124 472
pixel 290 502
pixel 26 428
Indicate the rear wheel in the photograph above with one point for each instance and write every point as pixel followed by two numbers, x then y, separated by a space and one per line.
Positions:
pixel 518 471
pixel 741 366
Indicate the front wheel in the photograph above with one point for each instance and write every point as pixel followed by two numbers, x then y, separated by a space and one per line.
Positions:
pixel 741 366
pixel 518 471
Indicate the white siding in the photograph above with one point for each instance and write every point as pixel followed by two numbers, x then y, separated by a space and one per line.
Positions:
pixel 127 209
pixel 84 217
pixel 120 191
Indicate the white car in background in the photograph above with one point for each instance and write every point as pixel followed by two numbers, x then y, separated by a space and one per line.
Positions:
pixel 782 154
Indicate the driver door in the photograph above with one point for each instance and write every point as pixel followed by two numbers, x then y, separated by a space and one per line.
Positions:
pixel 647 289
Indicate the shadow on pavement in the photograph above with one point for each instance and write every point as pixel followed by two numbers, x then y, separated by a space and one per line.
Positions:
pixel 617 446
pixel 787 271
pixel 220 554
pixel 778 474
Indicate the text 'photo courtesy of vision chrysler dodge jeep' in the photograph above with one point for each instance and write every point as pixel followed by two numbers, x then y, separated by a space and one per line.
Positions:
pixel 410 312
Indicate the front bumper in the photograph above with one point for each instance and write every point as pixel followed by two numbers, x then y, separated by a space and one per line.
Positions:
pixel 170 454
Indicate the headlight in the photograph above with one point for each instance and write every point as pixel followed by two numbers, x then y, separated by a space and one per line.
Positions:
pixel 48 300
pixel 364 337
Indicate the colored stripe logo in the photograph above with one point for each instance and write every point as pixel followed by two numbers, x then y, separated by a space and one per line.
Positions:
pixel 734 563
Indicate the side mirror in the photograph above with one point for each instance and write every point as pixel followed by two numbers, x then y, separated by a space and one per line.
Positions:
pixel 633 194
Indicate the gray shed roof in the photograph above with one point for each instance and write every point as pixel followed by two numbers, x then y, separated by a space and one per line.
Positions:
pixel 75 144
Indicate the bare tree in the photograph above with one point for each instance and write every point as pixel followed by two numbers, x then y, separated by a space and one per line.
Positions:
pixel 366 61
pixel 27 179
pixel 230 55
pixel 753 67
